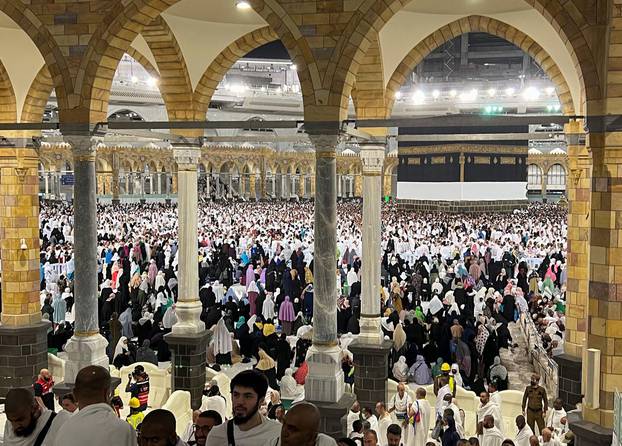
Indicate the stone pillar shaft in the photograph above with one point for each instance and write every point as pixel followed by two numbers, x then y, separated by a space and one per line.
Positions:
pixel 372 158
pixel 579 184
pixel 87 346
pixel 188 307
pixel 325 229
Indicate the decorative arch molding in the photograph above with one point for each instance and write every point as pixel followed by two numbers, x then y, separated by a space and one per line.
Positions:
pixel 216 71
pixel 175 86
pixel 8 104
pixel 476 23
pixel 43 84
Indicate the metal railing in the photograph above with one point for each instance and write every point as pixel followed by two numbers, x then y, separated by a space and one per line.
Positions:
pixel 542 363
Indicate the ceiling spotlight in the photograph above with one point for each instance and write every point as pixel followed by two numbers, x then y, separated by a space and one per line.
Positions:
pixel 436 94
pixel 152 81
pixel 509 91
pixel 418 97
pixel 531 94
pixel 492 92
pixel 550 90
pixel 398 95
pixel 468 96
pixel 293 67
pixel 453 93
pixel 242 4
pixel 134 79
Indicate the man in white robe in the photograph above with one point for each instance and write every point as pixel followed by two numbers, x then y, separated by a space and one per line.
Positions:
pixel 96 423
pixel 422 411
pixel 554 417
pixel 384 421
pixel 353 415
pixel 492 435
pixel 524 432
pixel 451 405
pixel 487 408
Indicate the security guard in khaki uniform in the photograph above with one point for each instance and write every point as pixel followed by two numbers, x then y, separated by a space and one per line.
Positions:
pixel 535 404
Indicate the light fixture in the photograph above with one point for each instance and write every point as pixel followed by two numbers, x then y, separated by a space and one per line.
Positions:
pixel 152 81
pixel 398 95
pixel 550 91
pixel 418 97
pixel 531 94
pixel 23 245
pixel 134 79
pixel 293 67
pixel 510 91
pixel 242 4
pixel 436 94
pixel 453 93
pixel 492 92
pixel 468 96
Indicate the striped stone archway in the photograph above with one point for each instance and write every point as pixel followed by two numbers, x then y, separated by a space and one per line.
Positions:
pixel 488 25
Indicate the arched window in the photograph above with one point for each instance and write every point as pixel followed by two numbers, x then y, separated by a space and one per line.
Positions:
pixel 556 176
pixel 534 175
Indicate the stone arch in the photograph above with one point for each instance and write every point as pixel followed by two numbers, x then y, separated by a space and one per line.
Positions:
pixel 43 84
pixel 143 61
pixel 128 19
pixel 567 20
pixel 368 94
pixel 175 86
pixel 47 46
pixel 8 104
pixel 215 72
pixel 489 25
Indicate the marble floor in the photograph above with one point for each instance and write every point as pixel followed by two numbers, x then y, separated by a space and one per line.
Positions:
pixel 516 360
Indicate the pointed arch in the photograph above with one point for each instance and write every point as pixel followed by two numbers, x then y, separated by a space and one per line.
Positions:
pixel 222 64
pixel 8 104
pixel 174 83
pixel 476 23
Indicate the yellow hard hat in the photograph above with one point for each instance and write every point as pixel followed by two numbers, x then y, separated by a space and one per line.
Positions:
pixel 445 367
pixel 134 403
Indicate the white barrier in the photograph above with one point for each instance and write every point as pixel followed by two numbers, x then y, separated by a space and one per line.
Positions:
pixel 179 405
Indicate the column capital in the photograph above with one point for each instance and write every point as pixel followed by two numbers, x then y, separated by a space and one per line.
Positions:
pixel 326 143
pixel 372 159
pixel 84 146
pixel 187 155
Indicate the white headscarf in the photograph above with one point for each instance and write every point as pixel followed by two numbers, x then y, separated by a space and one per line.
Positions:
pixel 267 309
pixel 120 346
pixel 222 339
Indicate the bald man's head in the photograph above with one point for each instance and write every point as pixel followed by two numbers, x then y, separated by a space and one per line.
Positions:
pixel 21 411
pixel 92 386
pixel 300 425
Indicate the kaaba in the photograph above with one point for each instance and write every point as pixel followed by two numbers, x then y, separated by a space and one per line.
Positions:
pixel 463 176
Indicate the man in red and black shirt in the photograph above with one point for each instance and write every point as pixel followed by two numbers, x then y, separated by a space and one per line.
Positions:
pixel 140 387
pixel 43 390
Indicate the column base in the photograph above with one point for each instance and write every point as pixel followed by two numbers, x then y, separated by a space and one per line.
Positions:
pixel 325 379
pixel 334 416
pixel 587 433
pixel 23 353
pixel 83 351
pixel 371 362
pixel 188 318
pixel 189 357
pixel 569 380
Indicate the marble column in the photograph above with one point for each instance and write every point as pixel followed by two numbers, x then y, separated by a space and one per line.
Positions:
pixel 325 379
pixel 371 351
pixel 188 338
pixel 87 346
pixel 252 187
pixel 372 158
pixel 301 186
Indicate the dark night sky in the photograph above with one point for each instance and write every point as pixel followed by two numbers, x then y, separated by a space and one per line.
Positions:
pixel 272 50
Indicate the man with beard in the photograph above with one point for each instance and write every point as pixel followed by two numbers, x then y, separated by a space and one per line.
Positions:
pixel 28 422
pixel 248 427
pixel 301 426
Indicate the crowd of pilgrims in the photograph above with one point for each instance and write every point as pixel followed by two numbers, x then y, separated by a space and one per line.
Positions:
pixel 451 284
